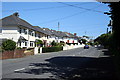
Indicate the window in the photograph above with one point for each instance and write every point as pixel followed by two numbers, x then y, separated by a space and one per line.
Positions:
pixel 29 32
pixel 25 31
pixel 19 43
pixel 32 33
pixel 47 36
pixel 31 43
pixel 25 43
pixel 39 36
pixel 20 30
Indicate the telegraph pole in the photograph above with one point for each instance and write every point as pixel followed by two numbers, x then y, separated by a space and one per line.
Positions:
pixel 58 26
pixel 85 33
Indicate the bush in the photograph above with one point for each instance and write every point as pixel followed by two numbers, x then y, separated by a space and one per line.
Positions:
pixel 53 43
pixel 18 48
pixel 52 49
pixel 39 42
pixel 8 45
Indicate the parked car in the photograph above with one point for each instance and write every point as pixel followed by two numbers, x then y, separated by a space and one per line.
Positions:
pixel 86 47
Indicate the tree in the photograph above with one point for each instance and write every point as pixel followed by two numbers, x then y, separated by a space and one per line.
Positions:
pixel 105 39
pixel 39 42
pixel 84 41
pixel 86 37
pixel 8 45
pixel 53 43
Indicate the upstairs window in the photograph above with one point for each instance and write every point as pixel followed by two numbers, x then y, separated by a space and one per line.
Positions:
pixel 25 31
pixel 38 36
pixel 32 33
pixel 25 43
pixel 20 30
pixel 47 36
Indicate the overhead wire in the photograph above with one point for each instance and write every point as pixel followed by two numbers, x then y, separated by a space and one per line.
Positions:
pixel 66 17
pixel 40 8
pixel 81 7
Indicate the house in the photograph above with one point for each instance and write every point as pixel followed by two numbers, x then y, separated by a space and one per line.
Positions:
pixel 20 31
pixel 26 35
pixel 71 38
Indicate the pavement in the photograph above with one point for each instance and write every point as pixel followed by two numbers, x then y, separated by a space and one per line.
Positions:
pixel 74 64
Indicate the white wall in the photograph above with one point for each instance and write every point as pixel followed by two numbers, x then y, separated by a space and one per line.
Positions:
pixel 10 32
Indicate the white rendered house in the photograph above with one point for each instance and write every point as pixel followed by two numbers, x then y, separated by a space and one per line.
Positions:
pixel 20 31
pixel 25 35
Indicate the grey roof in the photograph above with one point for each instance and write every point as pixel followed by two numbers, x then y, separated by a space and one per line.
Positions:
pixel 21 38
pixel 62 34
pixel 47 31
pixel 39 29
pixel 54 32
pixel 14 20
pixel 70 35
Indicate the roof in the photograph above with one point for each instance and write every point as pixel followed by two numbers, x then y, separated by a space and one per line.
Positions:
pixel 39 29
pixel 62 34
pixel 21 38
pixel 14 20
pixel 47 31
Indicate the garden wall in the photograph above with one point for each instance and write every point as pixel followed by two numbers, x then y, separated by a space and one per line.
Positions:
pixel 18 53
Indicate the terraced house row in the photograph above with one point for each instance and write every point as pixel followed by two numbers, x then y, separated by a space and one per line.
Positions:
pixel 25 35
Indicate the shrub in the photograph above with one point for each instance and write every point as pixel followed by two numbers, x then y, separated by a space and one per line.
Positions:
pixel 53 43
pixel 52 49
pixel 39 42
pixel 8 45
pixel 18 48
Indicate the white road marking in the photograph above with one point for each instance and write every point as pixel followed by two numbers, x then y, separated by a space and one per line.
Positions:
pixel 19 69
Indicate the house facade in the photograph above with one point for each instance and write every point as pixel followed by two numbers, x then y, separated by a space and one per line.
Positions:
pixel 25 35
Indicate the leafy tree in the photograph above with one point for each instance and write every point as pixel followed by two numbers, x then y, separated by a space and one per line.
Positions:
pixel 39 42
pixel 53 43
pixel 86 37
pixel 84 41
pixel 8 45
pixel 105 39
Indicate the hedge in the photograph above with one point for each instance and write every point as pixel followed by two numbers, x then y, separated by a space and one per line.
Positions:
pixel 52 49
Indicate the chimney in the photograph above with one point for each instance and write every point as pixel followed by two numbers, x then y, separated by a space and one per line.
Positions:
pixel 16 14
pixel 75 34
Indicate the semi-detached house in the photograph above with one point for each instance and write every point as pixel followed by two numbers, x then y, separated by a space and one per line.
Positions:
pixel 25 35
pixel 20 31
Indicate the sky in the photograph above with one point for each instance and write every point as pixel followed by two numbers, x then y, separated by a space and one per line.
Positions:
pixel 83 18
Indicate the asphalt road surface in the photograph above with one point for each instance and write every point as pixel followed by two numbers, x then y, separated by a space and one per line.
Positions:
pixel 74 64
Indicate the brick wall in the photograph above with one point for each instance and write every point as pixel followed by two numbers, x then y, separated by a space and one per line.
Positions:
pixel 12 54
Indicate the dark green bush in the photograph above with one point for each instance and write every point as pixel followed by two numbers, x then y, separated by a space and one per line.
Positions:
pixel 8 45
pixel 52 49
pixel 18 48
pixel 53 43
pixel 39 42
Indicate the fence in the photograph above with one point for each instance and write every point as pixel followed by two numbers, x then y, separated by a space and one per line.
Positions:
pixel 12 54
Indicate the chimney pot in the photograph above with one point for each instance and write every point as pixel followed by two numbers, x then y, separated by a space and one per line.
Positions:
pixel 75 34
pixel 16 14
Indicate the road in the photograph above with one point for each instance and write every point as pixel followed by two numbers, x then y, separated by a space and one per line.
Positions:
pixel 74 64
